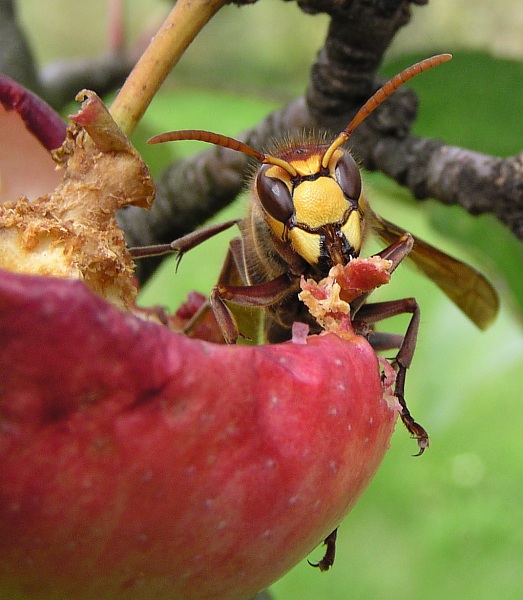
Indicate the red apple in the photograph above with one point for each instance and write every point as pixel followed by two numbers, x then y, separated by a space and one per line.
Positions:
pixel 136 463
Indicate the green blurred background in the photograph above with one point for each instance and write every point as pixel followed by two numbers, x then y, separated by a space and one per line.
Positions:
pixel 449 524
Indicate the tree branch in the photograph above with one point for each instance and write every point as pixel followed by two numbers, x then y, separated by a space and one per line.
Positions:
pixel 477 182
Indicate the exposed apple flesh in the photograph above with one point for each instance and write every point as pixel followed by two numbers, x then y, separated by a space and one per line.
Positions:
pixel 138 463
pixel 30 129
pixel 72 231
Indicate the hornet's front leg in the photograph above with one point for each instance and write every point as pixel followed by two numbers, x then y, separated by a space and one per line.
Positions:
pixel 372 313
pixel 368 314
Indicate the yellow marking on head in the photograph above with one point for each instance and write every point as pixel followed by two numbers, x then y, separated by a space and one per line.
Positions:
pixel 319 202
pixel 303 166
pixel 307 166
pixel 353 230
pixel 306 244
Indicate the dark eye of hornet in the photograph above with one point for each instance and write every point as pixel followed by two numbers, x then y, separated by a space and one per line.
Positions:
pixel 348 177
pixel 274 196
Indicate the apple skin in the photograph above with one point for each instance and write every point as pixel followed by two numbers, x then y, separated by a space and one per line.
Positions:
pixel 136 463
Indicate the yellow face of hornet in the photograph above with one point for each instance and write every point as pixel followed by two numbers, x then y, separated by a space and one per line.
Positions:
pixel 320 210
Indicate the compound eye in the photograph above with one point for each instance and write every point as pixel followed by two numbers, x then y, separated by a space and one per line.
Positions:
pixel 348 177
pixel 274 196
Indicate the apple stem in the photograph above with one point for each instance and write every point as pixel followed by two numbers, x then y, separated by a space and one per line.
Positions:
pixel 181 26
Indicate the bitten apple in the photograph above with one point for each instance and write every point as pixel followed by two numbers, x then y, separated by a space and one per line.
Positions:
pixel 137 463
